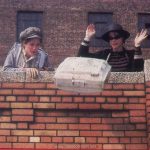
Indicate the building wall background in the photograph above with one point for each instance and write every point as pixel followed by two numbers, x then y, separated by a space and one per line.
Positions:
pixel 65 21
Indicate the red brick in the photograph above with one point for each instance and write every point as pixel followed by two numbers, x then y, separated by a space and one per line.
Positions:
pixel 112 106
pixel 22 118
pixel 114 140
pixel 67 133
pixel 134 106
pixel 139 86
pixel 100 99
pixel 141 126
pixel 122 100
pixel 45 92
pixel 133 100
pixel 44 133
pixel 10 98
pixel 57 139
pixel 67 120
pixel 111 99
pixel 5 119
pixel 68 139
pixel 136 140
pixel 37 126
pixel 67 99
pixel 4 132
pixel 51 86
pixel 22 125
pixel 102 140
pixel 113 146
pixel 91 146
pixel 23 92
pixel 112 120
pixel 55 99
pixel 2 98
pixel 112 93
pixel 124 140
pixel 79 139
pixel 22 132
pixel 135 133
pixel 35 85
pixel 89 106
pixel 56 126
pixel 44 105
pixel 23 139
pixel 45 146
pixel 134 93
pixel 45 119
pixel 5 145
pixel 113 133
pixel 123 86
pixel 107 86
pixel 4 105
pixel 79 126
pixel 33 99
pixel 90 133
pixel 69 146
pixel 138 119
pixel 89 99
pixel 65 93
pixel 23 145
pixel 101 127
pixel 120 114
pixel 46 139
pixel 13 85
pixel 5 92
pixel 22 111
pixel 91 139
pixel 123 127
pixel 66 106
pixel 90 120
pixel 21 98
pixel 8 126
pixel 21 105
pixel 11 138
pixel 3 139
pixel 44 99
pixel 136 146
pixel 137 113
pixel 78 99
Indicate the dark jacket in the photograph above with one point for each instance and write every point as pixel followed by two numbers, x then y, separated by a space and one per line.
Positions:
pixel 135 62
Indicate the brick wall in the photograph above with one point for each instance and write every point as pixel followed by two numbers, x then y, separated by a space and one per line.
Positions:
pixel 38 115
pixel 64 22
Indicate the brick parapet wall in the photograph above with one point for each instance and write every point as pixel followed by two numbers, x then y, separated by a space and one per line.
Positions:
pixel 38 115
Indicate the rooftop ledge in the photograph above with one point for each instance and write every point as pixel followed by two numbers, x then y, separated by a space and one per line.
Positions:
pixel 47 76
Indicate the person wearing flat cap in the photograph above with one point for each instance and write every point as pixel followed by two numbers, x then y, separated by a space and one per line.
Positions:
pixel 27 55
pixel 120 59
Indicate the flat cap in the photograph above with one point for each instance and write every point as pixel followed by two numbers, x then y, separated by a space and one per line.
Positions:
pixel 31 32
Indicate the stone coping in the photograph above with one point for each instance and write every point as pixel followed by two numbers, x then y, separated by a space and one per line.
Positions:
pixel 47 76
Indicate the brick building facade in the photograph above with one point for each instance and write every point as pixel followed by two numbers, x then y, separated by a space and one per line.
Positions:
pixel 63 22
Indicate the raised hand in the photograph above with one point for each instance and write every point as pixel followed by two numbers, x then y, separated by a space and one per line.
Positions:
pixel 90 32
pixel 140 37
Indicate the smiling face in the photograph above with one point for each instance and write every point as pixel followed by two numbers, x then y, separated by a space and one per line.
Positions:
pixel 116 41
pixel 31 46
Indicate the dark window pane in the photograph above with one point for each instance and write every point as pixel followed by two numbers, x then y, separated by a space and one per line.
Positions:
pixel 144 22
pixel 100 20
pixel 28 19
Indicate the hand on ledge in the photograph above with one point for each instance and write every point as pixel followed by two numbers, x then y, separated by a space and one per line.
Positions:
pixel 33 72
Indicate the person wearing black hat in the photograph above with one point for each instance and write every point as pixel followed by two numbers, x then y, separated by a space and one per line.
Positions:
pixel 27 55
pixel 118 56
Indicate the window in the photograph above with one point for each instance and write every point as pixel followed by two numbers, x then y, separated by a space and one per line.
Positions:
pixel 28 19
pixel 144 22
pixel 100 20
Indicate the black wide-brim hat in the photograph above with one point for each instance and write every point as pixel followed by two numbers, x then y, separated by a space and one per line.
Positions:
pixel 115 28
